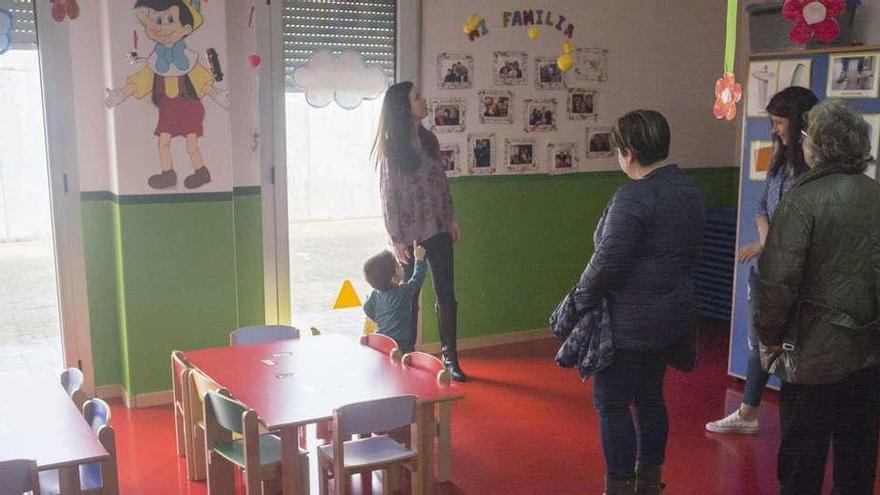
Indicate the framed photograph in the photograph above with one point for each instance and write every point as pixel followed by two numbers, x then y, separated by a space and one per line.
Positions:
pixel 520 154
pixel 599 142
pixel 454 71
pixel 795 72
pixel 496 107
pixel 447 114
pixel 591 64
pixel 768 77
pixel 450 155
pixel 760 157
pixel 853 75
pixel 481 149
pixel 548 75
pixel 763 81
pixel 540 115
pixel 510 68
pixel 562 158
pixel 582 104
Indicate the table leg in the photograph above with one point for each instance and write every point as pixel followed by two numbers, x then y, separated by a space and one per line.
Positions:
pixel 444 442
pixel 290 464
pixel 426 433
pixel 68 480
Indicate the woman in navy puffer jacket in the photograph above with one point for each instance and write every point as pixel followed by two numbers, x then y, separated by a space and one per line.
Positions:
pixel 647 246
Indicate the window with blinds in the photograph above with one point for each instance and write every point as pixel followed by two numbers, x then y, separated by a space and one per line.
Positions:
pixel 24 26
pixel 366 26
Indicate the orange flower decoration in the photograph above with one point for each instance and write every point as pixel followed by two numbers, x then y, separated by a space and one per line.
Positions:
pixel 728 93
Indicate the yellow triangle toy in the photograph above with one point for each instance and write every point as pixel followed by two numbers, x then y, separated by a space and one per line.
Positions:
pixel 347 297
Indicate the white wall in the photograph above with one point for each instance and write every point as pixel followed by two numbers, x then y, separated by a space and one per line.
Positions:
pixel 663 55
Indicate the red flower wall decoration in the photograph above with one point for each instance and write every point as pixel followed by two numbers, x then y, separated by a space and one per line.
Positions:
pixel 728 93
pixel 64 8
pixel 813 17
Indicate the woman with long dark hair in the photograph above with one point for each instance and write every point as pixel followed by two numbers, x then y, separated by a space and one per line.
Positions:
pixel 417 205
pixel 787 109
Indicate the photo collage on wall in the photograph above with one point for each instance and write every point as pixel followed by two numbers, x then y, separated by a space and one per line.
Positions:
pixel 480 130
pixel 850 76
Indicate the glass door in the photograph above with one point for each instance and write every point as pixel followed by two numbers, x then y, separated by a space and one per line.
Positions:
pixel 30 326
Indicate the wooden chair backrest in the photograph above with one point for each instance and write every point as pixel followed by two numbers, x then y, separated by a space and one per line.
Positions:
pixel 382 343
pixel 19 476
pixel 432 364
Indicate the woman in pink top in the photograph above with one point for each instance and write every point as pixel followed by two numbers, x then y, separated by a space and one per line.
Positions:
pixel 417 205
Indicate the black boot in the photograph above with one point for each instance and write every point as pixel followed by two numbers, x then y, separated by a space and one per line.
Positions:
pixel 619 487
pixel 450 359
pixel 447 316
pixel 648 480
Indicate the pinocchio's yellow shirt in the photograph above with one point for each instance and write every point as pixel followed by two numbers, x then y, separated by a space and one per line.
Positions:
pixel 143 79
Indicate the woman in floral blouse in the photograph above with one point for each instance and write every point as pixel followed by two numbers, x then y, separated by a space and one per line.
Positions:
pixel 417 205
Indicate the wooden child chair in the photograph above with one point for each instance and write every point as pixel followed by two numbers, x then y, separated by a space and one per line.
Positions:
pixel 199 386
pixel 18 476
pixel 180 369
pixel 96 478
pixel 344 457
pixel 259 455
pixel 72 381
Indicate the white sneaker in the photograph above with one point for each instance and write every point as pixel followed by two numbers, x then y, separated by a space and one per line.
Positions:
pixel 733 423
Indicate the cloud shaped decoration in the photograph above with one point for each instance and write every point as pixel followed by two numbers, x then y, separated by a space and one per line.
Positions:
pixel 344 79
pixel 5 31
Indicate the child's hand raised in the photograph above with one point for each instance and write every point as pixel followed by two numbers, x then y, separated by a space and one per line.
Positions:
pixel 418 251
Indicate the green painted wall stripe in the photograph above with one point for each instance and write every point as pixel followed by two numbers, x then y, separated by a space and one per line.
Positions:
pixel 169 198
pixel 247 191
pixel 168 275
pixel 526 240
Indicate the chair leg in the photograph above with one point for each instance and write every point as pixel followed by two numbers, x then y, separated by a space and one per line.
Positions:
pixel 252 483
pixel 340 483
pixel 416 483
pixel 392 478
pixel 304 482
pixel 323 480
pixel 221 476
pixel 387 476
pixel 200 461
pixel 272 487
pixel 178 432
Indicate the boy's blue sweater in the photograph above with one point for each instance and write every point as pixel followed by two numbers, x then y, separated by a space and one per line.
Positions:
pixel 392 309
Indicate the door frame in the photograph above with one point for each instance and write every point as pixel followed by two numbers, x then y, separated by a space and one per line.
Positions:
pixel 56 75
pixel 273 150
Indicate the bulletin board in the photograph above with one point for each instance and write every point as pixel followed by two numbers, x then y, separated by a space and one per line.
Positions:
pixel 849 75
pixel 501 104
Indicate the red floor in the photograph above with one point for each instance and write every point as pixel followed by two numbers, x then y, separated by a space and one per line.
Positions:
pixel 528 427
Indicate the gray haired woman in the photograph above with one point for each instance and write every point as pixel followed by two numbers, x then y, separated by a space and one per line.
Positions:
pixel 818 309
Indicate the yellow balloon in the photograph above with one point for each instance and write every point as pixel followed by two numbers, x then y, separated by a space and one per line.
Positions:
pixel 565 62
pixel 534 32
pixel 568 47
pixel 472 23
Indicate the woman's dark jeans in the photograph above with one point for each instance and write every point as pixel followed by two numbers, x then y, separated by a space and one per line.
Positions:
pixel 633 378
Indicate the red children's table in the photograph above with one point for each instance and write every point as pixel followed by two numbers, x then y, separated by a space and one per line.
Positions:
pixel 292 383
